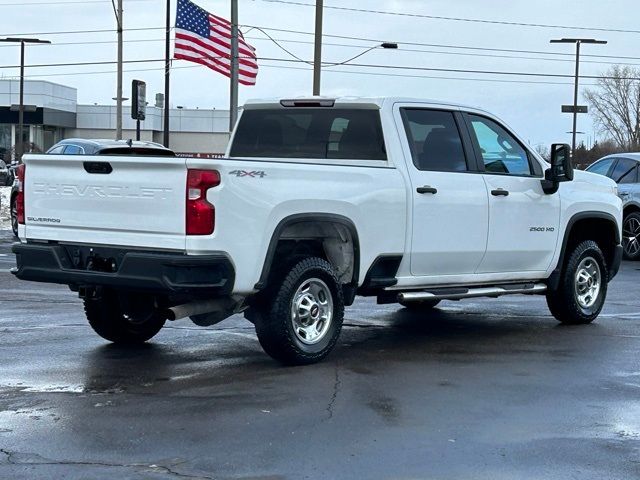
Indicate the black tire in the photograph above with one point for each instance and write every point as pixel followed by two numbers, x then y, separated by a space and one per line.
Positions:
pixel 14 215
pixel 631 236
pixel 279 334
pixel 421 305
pixel 564 303
pixel 105 311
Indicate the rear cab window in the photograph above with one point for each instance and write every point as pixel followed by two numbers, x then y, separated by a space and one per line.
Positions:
pixel 310 133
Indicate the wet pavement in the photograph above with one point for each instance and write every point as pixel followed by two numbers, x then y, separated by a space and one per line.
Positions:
pixel 486 389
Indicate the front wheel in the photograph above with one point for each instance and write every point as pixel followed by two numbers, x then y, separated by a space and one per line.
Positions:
pixel 583 286
pixel 123 318
pixel 299 321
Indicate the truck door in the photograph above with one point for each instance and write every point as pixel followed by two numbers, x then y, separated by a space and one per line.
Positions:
pixel 523 220
pixel 450 211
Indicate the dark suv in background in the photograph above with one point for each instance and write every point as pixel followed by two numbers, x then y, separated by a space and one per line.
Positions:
pixel 78 146
pixel 624 169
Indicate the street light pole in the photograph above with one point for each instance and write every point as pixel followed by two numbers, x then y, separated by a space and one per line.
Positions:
pixel 22 42
pixel 578 42
pixel 317 51
pixel 20 150
pixel 119 75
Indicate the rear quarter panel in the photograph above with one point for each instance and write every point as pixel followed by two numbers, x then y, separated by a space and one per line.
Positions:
pixel 250 206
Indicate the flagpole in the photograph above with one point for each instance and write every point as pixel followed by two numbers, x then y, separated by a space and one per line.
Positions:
pixel 167 60
pixel 233 100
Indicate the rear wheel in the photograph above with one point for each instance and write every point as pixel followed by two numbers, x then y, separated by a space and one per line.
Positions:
pixel 298 322
pixel 583 286
pixel 420 305
pixel 631 236
pixel 123 318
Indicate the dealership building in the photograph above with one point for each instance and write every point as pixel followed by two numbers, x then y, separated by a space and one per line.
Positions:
pixel 52 113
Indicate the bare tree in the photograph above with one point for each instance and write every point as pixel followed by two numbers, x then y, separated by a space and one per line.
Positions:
pixel 543 151
pixel 615 106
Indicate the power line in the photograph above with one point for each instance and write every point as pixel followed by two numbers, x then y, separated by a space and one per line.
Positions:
pixel 75 32
pixel 342 37
pixel 345 72
pixel 62 2
pixel 456 19
pixel 345 45
pixel 440 45
pixel 413 50
pixel 361 65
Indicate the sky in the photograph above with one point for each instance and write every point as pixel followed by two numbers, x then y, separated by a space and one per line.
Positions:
pixel 532 109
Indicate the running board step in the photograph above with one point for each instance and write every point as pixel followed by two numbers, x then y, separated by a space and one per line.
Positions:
pixel 460 293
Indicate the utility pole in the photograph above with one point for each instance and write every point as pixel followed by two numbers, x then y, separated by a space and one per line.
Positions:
pixel 317 52
pixel 167 64
pixel 22 42
pixel 119 74
pixel 575 109
pixel 233 100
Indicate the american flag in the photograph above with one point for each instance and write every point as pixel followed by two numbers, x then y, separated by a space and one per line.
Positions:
pixel 206 39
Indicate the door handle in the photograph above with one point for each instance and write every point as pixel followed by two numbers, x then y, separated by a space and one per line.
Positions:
pixel 427 189
pixel 500 192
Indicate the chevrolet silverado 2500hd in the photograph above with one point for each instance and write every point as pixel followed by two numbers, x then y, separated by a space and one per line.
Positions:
pixel 319 200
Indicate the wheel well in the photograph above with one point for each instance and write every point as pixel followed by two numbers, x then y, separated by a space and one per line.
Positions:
pixel 601 230
pixel 333 240
pixel 630 209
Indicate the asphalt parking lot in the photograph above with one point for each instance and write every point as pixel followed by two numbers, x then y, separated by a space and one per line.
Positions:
pixel 487 389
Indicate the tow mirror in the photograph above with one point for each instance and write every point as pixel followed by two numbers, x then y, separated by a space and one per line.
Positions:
pixel 561 168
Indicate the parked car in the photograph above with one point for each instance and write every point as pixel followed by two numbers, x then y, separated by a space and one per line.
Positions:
pixel 6 175
pixel 320 200
pixel 623 168
pixel 79 146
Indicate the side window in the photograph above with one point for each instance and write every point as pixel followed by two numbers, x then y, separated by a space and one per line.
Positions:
pixel 501 153
pixel 434 140
pixel 602 167
pixel 73 150
pixel 57 149
pixel 624 171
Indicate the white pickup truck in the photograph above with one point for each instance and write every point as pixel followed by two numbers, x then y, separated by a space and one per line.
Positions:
pixel 317 201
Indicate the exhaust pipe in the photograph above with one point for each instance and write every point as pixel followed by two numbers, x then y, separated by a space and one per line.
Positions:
pixel 198 307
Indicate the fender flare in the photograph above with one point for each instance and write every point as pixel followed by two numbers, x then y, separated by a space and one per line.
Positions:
pixel 554 278
pixel 309 217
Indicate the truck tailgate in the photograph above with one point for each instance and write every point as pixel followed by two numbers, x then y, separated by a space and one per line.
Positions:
pixel 117 200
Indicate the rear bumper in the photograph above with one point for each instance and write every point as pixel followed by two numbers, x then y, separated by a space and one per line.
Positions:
pixel 83 266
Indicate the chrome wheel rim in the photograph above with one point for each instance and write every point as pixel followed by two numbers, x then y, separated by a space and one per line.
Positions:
pixel 312 311
pixel 631 236
pixel 587 282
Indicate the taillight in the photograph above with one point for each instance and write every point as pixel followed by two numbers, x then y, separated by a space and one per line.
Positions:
pixel 201 215
pixel 20 171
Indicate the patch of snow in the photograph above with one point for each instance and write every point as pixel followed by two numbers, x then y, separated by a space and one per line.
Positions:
pixel 5 211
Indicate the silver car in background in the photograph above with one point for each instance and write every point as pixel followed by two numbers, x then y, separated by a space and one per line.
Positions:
pixel 624 169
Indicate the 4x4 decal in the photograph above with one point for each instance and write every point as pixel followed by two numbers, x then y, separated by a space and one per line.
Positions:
pixel 244 173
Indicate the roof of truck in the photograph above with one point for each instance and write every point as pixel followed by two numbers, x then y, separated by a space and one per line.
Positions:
pixel 374 101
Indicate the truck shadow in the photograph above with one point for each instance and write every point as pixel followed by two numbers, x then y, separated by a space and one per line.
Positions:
pixel 199 364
